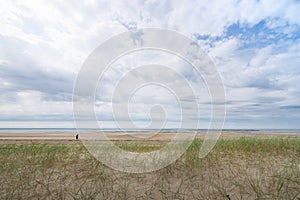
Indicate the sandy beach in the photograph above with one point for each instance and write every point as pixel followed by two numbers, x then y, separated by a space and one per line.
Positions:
pixel 43 164
pixel 69 136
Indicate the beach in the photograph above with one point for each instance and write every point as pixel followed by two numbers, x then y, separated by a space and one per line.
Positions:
pixel 244 164
pixel 69 135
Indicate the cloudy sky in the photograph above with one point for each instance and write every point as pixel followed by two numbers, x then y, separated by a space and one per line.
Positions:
pixel 255 46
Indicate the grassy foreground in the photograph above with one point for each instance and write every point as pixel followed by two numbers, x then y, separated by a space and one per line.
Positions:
pixel 245 168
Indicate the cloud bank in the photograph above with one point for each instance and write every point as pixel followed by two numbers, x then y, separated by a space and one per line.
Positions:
pixel 255 45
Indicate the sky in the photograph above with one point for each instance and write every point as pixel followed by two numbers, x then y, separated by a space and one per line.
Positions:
pixel 255 46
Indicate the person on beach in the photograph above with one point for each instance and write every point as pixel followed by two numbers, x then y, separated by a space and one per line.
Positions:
pixel 77 136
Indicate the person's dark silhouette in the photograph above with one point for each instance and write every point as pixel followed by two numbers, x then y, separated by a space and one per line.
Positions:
pixel 77 137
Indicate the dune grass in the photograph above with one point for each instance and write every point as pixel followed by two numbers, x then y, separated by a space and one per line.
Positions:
pixel 244 168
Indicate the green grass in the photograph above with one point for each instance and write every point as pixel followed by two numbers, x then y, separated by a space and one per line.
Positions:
pixel 244 168
pixel 139 146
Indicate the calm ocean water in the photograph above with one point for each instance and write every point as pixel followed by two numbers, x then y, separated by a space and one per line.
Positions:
pixel 224 131
pixel 89 129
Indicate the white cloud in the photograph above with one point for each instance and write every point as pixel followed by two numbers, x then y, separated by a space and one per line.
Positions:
pixel 30 105
pixel 259 84
pixel 43 44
